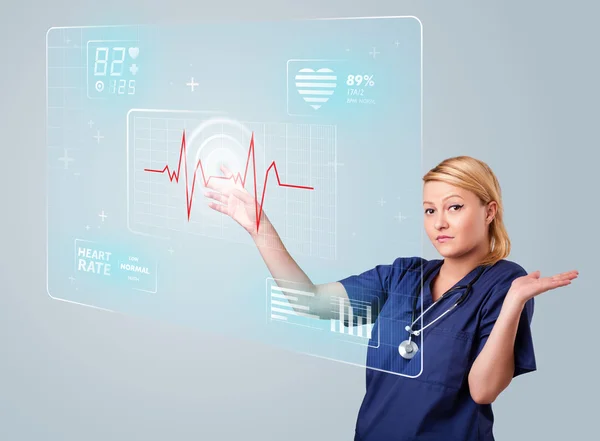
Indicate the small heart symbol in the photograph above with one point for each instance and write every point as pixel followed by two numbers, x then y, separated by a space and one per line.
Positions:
pixel 316 87
pixel 134 52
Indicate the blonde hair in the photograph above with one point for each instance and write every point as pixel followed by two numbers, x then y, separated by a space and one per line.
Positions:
pixel 476 176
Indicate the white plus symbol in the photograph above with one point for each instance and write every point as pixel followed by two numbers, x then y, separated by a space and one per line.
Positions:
pixel 171 250
pixel 192 83
pixel 90 123
pixel 374 52
pixel 381 202
pixel 87 227
pixel 397 43
pixel 400 217
pixel 72 279
pixel 98 137
pixel 66 159
pixel 103 216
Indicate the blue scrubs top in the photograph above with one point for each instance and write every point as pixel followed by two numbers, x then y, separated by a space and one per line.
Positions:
pixel 435 405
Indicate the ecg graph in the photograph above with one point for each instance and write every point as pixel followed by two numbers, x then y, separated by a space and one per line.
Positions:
pixel 290 169
pixel 236 178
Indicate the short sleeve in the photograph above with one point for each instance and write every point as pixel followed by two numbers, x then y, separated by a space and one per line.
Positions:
pixel 369 290
pixel 523 348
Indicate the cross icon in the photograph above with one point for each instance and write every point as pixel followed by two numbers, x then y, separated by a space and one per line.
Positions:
pixel 171 250
pixel 192 83
pixel 72 279
pixel 98 137
pixel 400 217
pixel 397 43
pixel 133 69
pixel 87 227
pixel 381 202
pixel 66 159
pixel 374 52
pixel 103 216
pixel 90 123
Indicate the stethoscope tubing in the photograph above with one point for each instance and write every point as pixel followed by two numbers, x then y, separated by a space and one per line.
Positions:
pixel 458 302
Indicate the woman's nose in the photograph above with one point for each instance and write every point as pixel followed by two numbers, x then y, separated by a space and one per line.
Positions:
pixel 440 222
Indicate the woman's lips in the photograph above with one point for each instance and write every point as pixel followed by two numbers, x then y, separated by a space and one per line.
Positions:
pixel 444 239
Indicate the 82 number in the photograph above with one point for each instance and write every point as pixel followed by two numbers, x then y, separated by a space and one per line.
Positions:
pixel 101 64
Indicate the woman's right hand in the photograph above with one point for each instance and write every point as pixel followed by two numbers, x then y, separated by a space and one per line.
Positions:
pixel 231 198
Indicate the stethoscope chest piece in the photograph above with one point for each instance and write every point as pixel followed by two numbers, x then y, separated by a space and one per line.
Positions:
pixel 408 349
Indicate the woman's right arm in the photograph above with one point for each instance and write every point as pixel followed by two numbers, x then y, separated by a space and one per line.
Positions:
pixel 288 274
pixel 233 200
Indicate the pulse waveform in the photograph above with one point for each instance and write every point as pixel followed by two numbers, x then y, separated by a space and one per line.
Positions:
pixel 189 194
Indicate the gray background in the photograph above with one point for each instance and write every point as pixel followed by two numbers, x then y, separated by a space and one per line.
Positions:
pixel 513 83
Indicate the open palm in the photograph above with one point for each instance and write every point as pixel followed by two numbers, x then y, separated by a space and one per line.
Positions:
pixel 230 198
pixel 532 285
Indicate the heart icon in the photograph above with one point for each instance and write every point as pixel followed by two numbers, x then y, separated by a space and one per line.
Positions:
pixel 134 52
pixel 316 87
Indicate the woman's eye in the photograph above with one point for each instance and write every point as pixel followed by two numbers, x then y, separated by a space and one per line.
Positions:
pixel 456 205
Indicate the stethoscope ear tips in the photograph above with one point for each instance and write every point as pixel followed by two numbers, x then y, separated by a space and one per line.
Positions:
pixel 408 328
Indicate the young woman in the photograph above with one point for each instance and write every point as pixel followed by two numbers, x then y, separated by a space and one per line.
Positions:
pixel 472 351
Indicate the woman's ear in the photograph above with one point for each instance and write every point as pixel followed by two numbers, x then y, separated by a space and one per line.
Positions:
pixel 492 208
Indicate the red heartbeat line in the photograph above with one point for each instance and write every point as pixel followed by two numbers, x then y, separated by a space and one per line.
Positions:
pixel 189 194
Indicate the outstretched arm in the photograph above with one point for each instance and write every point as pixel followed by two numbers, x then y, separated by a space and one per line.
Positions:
pixel 230 198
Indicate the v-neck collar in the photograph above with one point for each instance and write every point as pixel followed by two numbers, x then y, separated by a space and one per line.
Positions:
pixel 427 284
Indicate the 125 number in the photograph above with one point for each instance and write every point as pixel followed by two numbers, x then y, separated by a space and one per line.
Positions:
pixel 120 90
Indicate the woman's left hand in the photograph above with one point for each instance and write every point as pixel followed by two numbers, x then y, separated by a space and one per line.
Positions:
pixel 531 285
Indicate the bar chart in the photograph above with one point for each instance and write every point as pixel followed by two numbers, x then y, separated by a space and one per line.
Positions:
pixel 347 316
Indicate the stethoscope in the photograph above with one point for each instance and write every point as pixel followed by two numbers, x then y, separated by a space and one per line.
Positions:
pixel 409 348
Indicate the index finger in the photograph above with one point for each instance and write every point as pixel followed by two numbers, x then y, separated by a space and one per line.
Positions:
pixel 225 170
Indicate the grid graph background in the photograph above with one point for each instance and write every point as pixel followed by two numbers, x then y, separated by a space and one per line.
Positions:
pixel 303 153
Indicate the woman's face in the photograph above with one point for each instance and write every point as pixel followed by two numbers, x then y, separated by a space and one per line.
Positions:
pixel 458 213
